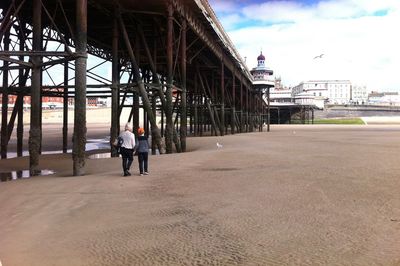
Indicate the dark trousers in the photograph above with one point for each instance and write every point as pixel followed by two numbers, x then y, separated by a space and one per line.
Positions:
pixel 127 158
pixel 143 159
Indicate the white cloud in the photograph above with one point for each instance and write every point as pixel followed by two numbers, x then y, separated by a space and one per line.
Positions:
pixel 292 11
pixel 357 45
pixel 274 12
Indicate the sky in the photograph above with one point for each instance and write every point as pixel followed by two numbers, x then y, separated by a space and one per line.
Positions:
pixel 359 39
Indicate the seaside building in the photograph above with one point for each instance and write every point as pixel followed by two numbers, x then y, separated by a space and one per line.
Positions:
pixel 384 98
pixel 306 98
pixel 280 95
pixel 359 94
pixel 50 102
pixel 324 91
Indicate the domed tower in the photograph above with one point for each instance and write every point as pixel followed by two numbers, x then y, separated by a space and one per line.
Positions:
pixel 263 81
pixel 261 72
pixel 261 60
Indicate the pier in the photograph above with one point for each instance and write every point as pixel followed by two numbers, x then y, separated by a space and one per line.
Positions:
pixel 173 58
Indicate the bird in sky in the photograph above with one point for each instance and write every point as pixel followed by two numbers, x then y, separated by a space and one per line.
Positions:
pixel 319 56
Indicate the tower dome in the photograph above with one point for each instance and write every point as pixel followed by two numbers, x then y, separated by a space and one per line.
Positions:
pixel 261 57
pixel 261 72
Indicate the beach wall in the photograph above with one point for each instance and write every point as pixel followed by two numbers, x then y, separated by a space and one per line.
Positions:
pixel 93 116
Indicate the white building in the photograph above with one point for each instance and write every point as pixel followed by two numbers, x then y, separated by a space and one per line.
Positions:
pixel 359 94
pixel 384 98
pixel 304 98
pixel 325 91
pixel 280 95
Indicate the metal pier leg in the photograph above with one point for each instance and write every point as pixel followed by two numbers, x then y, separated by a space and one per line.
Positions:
pixel 78 151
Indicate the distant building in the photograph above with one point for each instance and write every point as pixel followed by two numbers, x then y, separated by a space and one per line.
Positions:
pixel 359 94
pixel 50 102
pixel 280 94
pixel 12 100
pixel 47 101
pixel 384 98
pixel 324 91
pixel 305 98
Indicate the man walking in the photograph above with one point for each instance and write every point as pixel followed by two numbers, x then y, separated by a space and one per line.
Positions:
pixel 127 149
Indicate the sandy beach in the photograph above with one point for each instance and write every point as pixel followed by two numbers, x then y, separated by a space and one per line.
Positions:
pixel 299 195
pixel 98 127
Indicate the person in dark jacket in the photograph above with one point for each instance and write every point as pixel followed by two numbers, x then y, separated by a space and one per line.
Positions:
pixel 143 152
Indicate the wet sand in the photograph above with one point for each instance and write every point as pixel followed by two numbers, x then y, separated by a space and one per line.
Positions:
pixel 299 195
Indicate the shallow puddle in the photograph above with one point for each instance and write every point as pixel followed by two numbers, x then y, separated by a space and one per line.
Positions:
pixel 22 174
pixel 91 145
pixel 100 155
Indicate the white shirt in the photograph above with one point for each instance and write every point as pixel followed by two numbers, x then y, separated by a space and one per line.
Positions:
pixel 129 139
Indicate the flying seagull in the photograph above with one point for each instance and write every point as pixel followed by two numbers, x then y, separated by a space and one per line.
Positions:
pixel 319 56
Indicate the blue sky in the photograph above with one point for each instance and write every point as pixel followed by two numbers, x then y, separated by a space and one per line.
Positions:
pixel 358 38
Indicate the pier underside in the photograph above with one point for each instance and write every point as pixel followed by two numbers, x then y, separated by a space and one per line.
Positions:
pixel 170 58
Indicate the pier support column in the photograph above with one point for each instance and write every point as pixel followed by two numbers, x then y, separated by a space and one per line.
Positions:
pixel 4 106
pixel 135 111
pixel 136 98
pixel 168 108
pixel 79 139
pixel 183 129
pixel 65 107
pixel 247 109
pixel 154 107
pixel 241 106
pixel 222 114
pixel 312 115
pixel 233 104
pixel 35 128
pixel 115 127
pixel 195 107
pixel 22 77
pixel 268 109
pixel 20 128
pixel 279 116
